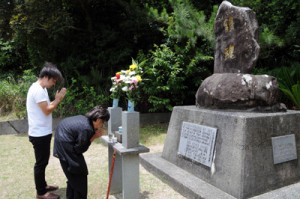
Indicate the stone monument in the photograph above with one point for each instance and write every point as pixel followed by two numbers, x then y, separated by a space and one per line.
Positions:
pixel 238 141
pixel 237 50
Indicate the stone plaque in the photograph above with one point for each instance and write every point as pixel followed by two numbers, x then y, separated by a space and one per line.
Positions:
pixel 197 142
pixel 284 148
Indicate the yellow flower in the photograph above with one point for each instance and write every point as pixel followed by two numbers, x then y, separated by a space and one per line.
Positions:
pixel 139 78
pixel 132 66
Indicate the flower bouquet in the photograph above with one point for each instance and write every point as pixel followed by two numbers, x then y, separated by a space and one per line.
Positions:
pixel 116 89
pixel 128 82
pixel 117 84
pixel 132 80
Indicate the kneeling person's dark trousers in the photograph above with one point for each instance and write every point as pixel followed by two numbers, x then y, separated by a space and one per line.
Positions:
pixel 76 184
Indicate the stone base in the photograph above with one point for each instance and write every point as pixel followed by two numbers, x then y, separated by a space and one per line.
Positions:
pixel 243 164
pixel 239 91
pixel 192 187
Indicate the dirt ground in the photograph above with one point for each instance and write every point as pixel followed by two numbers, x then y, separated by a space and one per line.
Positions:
pixel 16 172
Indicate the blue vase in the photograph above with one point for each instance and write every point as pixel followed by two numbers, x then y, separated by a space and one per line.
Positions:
pixel 130 107
pixel 115 103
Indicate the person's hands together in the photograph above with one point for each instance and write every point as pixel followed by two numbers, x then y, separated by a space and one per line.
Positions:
pixel 98 133
pixel 60 94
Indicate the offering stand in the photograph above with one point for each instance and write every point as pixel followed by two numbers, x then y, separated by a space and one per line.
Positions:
pixel 125 178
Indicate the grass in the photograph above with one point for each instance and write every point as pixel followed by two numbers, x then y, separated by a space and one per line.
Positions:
pixel 17 160
pixel 153 134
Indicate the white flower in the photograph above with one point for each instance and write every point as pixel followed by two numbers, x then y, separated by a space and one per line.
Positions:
pixel 125 88
pixel 132 73
pixel 122 77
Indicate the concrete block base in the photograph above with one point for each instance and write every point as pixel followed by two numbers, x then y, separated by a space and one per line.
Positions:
pixel 243 159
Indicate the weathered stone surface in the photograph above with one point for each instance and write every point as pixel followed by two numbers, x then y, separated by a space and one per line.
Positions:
pixel 236 31
pixel 236 53
pixel 235 90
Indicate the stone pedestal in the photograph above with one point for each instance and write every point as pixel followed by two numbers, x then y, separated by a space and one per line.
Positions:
pixel 131 129
pixel 115 119
pixel 243 164
pixel 113 124
pixel 125 177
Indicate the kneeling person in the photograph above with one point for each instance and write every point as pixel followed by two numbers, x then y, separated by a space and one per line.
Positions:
pixel 72 138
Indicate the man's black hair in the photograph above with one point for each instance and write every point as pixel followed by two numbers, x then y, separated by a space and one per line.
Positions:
pixel 50 70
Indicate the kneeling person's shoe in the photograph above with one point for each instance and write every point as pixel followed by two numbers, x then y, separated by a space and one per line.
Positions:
pixel 51 188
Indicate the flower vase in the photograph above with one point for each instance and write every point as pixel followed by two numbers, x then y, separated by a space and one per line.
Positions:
pixel 130 107
pixel 115 103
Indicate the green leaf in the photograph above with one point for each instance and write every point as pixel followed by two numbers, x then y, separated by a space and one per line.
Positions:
pixel 293 94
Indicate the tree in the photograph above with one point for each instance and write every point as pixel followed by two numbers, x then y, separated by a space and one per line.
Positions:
pixel 87 39
pixel 279 31
pixel 183 60
pixel 6 8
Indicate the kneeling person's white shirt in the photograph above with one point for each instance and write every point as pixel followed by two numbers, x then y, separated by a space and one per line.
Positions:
pixel 39 123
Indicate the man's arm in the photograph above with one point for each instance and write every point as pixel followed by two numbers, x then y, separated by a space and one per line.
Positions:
pixel 59 96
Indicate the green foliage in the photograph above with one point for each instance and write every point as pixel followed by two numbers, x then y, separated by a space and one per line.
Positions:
pixel 188 22
pixel 41 26
pixel 9 56
pixel 87 37
pixel 88 40
pixel 6 8
pixel 268 39
pixel 293 93
pixel 91 40
pixel 13 93
pixel 80 100
pixel 280 30
pixel 23 85
pixel 176 67
pixel 166 79
pixel 5 52
pixel 8 92
pixel 289 83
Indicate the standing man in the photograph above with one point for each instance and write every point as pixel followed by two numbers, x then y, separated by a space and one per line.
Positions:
pixel 73 137
pixel 39 113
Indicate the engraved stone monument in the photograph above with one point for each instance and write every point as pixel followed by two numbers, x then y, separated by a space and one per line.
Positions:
pixel 284 148
pixel 239 141
pixel 197 143
pixel 237 50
